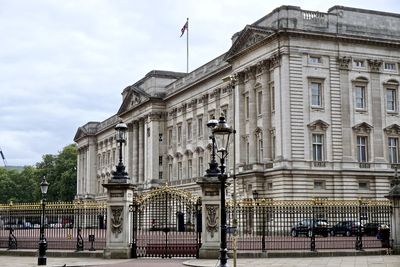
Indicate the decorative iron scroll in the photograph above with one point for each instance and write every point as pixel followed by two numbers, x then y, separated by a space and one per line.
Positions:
pixel 212 219
pixel 116 220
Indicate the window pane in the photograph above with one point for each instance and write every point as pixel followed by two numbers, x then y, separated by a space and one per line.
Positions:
pixel 362 148
pixel 360 97
pixel 393 149
pixel 317 147
pixel 316 94
pixel 391 99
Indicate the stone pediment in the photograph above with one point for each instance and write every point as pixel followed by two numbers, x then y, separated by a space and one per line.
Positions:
pixel 134 97
pixel 249 37
pixel 318 125
pixel 393 129
pixel 362 128
pixel 89 128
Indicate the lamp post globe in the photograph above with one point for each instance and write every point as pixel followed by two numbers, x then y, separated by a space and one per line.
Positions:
pixel 120 137
pixel 42 259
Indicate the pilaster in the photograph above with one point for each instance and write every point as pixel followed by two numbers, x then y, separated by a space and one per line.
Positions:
pixel 118 239
pixel 211 235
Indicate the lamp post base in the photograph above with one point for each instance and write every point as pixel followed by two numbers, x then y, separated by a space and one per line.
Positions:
pixel 42 261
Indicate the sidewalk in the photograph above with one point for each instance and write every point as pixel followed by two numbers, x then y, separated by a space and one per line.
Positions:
pixel 28 261
pixel 346 261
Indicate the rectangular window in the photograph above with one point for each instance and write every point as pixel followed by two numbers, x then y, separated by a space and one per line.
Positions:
pixel 358 63
pixel 179 134
pixel 247 106
pixel 363 186
pixel 189 170
pixel 259 102
pixel 160 160
pixel 393 146
pixel 260 149
pixel 316 94
pixel 170 171
pixel 319 185
pixel 390 66
pixel 391 99
pixel 169 137
pixel 314 60
pixel 247 153
pixel 189 130
pixel 273 147
pixel 200 166
pixel 318 147
pixel 362 147
pixel 272 102
pixel 360 97
pixel 225 113
pixel 179 170
pixel 200 126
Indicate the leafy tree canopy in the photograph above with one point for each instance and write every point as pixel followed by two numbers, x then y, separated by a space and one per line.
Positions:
pixel 60 172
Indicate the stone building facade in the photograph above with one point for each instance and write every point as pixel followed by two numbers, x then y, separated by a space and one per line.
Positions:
pixel 314 99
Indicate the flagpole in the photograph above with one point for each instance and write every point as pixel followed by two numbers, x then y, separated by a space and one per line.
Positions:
pixel 187 46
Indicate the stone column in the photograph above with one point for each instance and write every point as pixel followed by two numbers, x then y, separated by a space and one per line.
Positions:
pixel 394 197
pixel 252 120
pixel 346 96
pixel 135 148
pixel 141 151
pixel 119 220
pixel 376 110
pixel 266 110
pixel 211 218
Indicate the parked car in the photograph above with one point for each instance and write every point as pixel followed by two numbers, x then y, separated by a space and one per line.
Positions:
pixel 346 228
pixel 309 226
pixel 371 229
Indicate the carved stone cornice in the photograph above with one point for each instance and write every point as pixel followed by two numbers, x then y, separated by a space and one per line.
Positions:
pixel 155 116
pixel 344 62
pixel 215 93
pixel 374 64
pixel 250 73
pixel 192 103
pixel 173 112
pixel 261 67
pixel 275 61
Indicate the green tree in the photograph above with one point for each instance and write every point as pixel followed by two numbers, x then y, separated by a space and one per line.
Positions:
pixel 60 172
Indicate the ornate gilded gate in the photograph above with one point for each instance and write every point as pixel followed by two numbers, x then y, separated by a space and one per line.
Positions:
pixel 166 223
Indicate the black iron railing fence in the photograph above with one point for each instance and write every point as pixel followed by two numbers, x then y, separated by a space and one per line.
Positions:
pixel 68 225
pixel 264 224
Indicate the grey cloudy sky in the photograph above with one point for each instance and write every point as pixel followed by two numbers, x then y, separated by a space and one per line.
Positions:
pixel 65 62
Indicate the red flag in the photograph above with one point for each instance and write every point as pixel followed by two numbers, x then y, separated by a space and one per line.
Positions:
pixel 185 27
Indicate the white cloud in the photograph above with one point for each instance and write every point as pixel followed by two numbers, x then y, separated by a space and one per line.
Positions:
pixel 65 62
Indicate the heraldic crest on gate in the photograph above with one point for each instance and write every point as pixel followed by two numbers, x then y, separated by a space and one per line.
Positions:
pixel 166 223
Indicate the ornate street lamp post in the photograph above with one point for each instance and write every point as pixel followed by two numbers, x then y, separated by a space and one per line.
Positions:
pixel 213 170
pixel 120 172
pixel 220 138
pixel 42 259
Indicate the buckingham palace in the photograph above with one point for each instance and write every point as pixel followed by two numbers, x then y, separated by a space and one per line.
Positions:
pixel 313 97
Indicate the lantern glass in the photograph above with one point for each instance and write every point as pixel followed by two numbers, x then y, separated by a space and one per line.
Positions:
pixel 222 133
pixel 44 185
pixel 121 132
